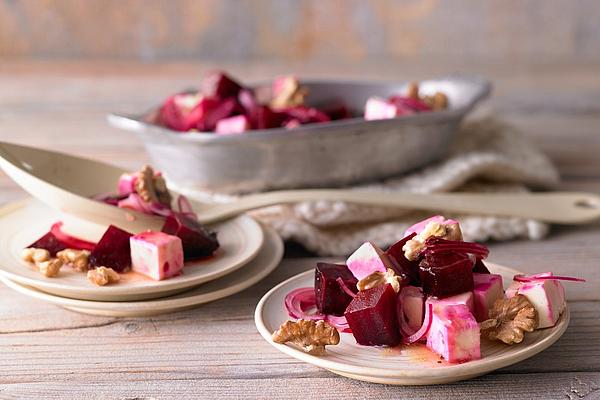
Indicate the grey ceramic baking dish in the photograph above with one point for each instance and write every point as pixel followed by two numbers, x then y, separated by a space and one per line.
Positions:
pixel 317 155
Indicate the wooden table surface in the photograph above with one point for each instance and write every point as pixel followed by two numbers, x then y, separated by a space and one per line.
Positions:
pixel 215 351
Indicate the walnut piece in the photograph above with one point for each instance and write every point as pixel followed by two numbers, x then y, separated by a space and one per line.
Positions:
pixel 151 187
pixel 50 268
pixel 413 90
pixel 78 259
pixel 291 94
pixel 414 246
pixel 311 336
pixel 34 255
pixel 380 278
pixel 102 276
pixel 510 319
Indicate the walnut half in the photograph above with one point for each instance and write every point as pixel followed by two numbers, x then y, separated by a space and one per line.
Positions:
pixel 380 278
pixel 510 319
pixel 312 336
pixel 448 231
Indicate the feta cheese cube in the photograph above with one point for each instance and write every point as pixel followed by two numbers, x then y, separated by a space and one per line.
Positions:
pixel 488 288
pixel 368 258
pixel 454 333
pixel 232 125
pixel 548 298
pixel 465 299
pixel 156 255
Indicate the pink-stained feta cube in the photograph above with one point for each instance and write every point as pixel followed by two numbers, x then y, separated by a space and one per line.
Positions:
pixel 419 226
pixel 454 333
pixel 368 258
pixel 127 183
pixel 156 255
pixel 548 298
pixel 233 125
pixel 465 299
pixel 378 108
pixel 488 288
pixel 512 289
pixel 411 307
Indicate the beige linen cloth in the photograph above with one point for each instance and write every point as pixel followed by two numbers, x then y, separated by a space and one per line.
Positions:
pixel 487 156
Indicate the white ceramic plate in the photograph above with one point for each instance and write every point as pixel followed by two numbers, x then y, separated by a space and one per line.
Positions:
pixel 22 223
pixel 262 265
pixel 404 365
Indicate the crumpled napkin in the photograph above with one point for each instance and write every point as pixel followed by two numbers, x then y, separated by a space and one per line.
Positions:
pixel 486 156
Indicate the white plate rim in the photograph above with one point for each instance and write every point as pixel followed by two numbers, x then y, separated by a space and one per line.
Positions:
pixel 454 372
pixel 54 286
pixel 273 249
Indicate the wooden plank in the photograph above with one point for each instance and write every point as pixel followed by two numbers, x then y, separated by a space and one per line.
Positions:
pixel 325 386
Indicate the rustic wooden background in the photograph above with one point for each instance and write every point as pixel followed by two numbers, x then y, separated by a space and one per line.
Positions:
pixel 520 31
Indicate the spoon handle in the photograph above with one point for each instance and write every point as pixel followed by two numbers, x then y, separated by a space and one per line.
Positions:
pixel 553 207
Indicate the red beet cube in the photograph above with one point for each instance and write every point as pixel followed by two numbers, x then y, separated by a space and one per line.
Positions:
pixel 372 317
pixel 50 243
pixel 218 84
pixel 180 112
pixel 196 240
pixel 306 115
pixel 446 274
pixel 112 251
pixel 211 110
pixel 402 266
pixel 330 297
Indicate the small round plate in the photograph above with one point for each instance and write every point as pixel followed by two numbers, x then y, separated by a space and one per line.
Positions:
pixel 262 265
pixel 403 365
pixel 22 223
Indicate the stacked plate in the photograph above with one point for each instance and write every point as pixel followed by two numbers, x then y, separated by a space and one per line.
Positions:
pixel 248 253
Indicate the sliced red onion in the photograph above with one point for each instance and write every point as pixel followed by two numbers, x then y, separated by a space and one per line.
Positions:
pixel 404 328
pixel 299 301
pixel 538 277
pixel 184 205
pixel 70 241
pixel 422 332
pixel 339 323
pixel 345 288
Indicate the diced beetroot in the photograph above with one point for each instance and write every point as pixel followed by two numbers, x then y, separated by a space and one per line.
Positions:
pixel 330 297
pixel 480 267
pixel 211 110
pixel 401 265
pixel 446 274
pixel 218 84
pixel 196 240
pixel 113 250
pixel 266 118
pixel 337 110
pixel 233 125
pixel 50 243
pixel 180 112
pixel 372 317
pixel 305 114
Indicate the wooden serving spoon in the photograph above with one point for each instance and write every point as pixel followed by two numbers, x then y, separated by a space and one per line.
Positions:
pixel 68 183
